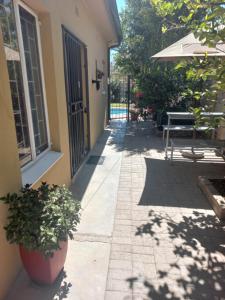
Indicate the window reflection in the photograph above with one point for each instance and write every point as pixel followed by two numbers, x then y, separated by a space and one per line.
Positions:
pixel 30 41
pixel 8 26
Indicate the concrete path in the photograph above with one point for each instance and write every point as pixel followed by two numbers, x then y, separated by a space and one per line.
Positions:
pixel 96 185
pixel 147 232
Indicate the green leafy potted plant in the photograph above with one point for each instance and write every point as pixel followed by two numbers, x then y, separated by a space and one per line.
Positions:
pixel 40 222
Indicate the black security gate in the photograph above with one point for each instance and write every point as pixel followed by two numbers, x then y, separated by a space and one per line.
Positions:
pixel 73 78
pixel 119 96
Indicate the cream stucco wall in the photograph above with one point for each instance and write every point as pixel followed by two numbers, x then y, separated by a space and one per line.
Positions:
pixel 76 17
pixel 78 20
pixel 9 175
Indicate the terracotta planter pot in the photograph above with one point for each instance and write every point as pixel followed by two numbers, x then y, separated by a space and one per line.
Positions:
pixel 43 270
pixel 134 117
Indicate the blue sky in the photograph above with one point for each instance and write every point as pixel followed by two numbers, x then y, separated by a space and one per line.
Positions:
pixel 120 4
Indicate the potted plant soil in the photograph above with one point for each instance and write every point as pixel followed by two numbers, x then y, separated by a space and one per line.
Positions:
pixel 40 221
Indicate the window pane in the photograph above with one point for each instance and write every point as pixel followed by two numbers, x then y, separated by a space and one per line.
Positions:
pixel 8 26
pixel 29 32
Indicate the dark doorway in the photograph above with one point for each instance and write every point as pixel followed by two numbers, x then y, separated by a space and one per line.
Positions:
pixel 75 74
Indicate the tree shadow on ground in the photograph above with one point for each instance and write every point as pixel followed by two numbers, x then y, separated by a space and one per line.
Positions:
pixel 176 185
pixel 197 270
pixel 24 289
pixel 140 138
pixel 188 239
pixel 62 287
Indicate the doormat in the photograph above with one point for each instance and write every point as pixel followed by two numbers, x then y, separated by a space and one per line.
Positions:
pixel 95 160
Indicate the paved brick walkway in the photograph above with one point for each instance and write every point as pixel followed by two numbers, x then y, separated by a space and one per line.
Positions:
pixel 167 242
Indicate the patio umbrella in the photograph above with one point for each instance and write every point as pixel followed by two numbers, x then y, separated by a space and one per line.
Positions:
pixel 189 46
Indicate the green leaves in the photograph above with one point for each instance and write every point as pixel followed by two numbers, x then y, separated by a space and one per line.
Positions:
pixel 142 37
pixel 144 34
pixel 206 19
pixel 40 219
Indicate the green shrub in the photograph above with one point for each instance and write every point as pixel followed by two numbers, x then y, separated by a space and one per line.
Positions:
pixel 40 218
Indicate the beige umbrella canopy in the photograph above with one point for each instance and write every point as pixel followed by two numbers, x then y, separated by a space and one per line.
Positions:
pixel 189 46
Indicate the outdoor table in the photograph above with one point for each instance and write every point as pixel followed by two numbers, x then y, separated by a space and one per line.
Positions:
pixel 184 116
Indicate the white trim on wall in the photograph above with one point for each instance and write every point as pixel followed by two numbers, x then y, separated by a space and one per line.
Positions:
pixel 17 4
pixel 25 80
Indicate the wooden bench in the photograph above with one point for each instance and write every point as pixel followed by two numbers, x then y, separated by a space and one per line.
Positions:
pixel 187 116
pixel 186 128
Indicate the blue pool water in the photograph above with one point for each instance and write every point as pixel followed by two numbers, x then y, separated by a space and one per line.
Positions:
pixel 118 111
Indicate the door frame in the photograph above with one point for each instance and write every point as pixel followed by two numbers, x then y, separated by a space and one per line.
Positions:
pixel 84 65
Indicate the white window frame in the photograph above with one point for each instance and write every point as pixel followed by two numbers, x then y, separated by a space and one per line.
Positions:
pixel 17 4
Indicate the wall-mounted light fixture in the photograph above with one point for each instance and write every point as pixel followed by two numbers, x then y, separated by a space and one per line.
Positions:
pixel 99 75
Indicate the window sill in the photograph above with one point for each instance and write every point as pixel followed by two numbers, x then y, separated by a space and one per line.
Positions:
pixel 33 173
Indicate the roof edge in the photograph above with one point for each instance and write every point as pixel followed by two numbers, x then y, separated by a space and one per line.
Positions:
pixel 113 10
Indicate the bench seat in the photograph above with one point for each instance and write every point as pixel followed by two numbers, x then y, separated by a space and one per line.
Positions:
pixel 184 128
